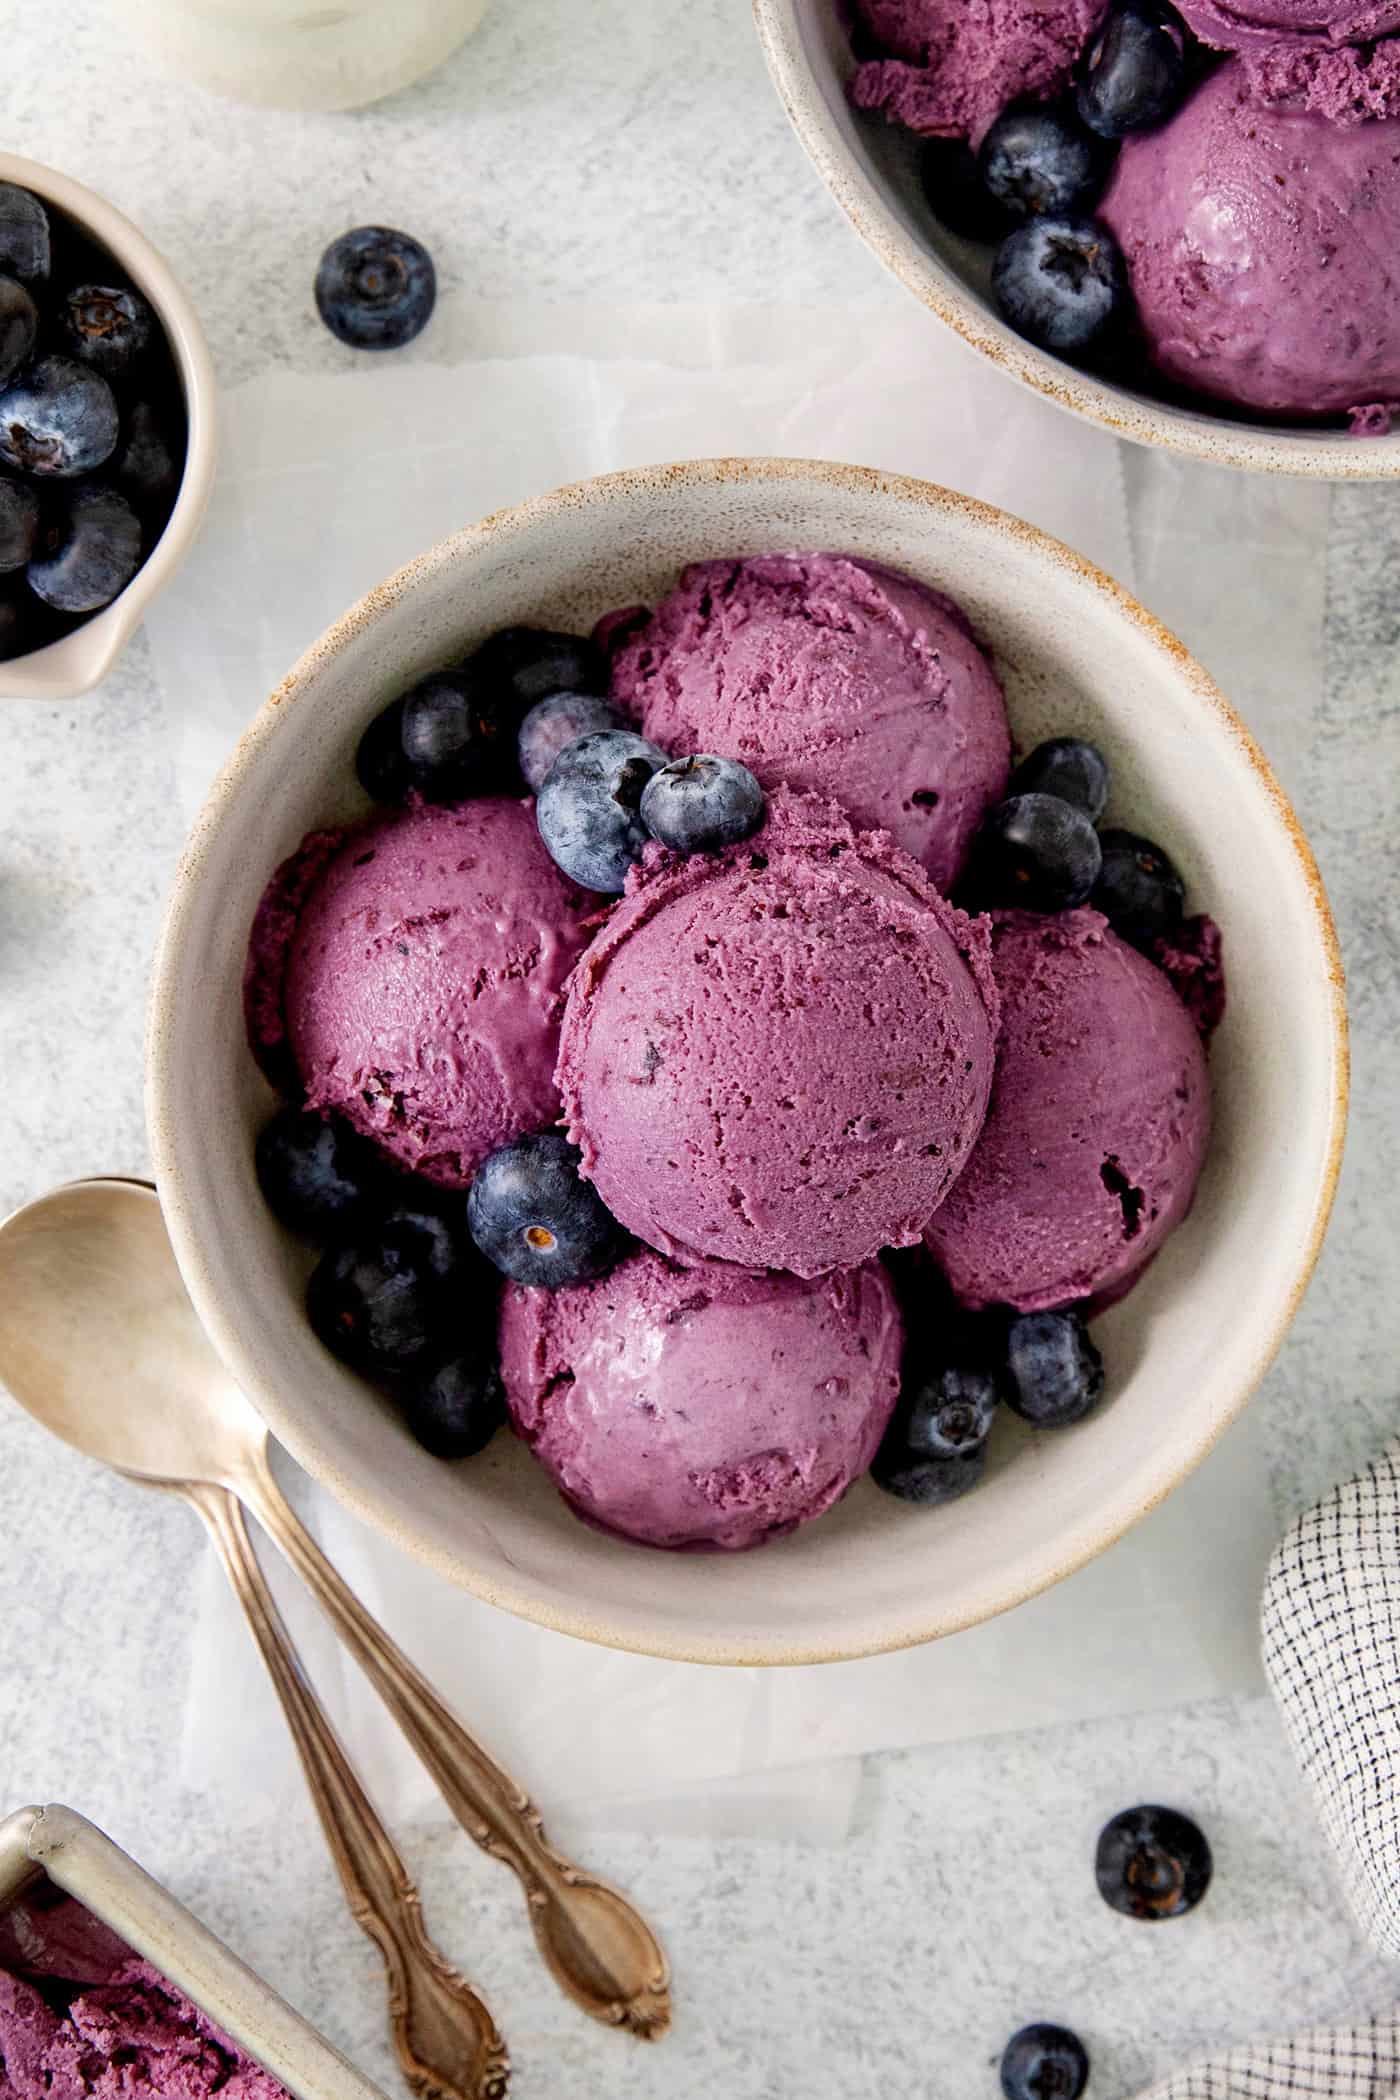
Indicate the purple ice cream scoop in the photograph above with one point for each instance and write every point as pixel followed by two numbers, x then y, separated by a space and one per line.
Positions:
pixel 780 1055
pixel 1236 25
pixel 703 1406
pixel 412 966
pixel 1097 1128
pixel 831 674
pixel 1263 246
pixel 949 67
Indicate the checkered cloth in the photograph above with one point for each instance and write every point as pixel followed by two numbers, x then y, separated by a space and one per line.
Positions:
pixel 1332 1653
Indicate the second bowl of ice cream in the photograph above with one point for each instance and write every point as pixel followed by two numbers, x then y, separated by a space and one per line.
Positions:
pixel 777 1061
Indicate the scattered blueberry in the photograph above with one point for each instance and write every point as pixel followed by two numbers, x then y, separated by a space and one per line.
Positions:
pixel 1138 890
pixel 527 664
pixel 375 288
pixel 1134 69
pixel 19 521
pixel 16 622
pixel 1152 1863
pixel 950 1411
pixel 1041 162
pixel 1054 1372
pixel 553 724
pixel 1036 853
pixel 1068 768
pixel 697 805
pixel 106 326
pixel 317 1174
pixel 19 327
pixel 57 418
pixel 532 1214
pixel 453 737
pixel 456 1412
pixel 148 462
pixel 1061 283
pixel 1044 2062
pixel 381 764
pixel 928 1481
pixel 951 180
pixel 589 809
pixel 24 235
pixel 88 550
pixel 382 1299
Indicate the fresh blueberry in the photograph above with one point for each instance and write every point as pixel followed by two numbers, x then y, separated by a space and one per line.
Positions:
pixel 527 664
pixel 1036 853
pixel 1061 283
pixel 952 183
pixel 149 459
pixel 107 326
pixel 928 1481
pixel 24 235
pixel 949 1411
pixel 375 288
pixel 19 327
pixel 1134 72
pixel 1152 1863
pixel 1068 768
pixel 88 549
pixel 19 522
pixel 589 808
pixel 1044 2062
pixel 553 724
pixel 697 805
pixel 532 1214
pixel 1038 162
pixel 383 1300
pixel 317 1174
pixel 381 763
pixel 456 1412
pixel 1138 890
pixel 57 418
pixel 1054 1372
pixel 16 622
pixel 453 737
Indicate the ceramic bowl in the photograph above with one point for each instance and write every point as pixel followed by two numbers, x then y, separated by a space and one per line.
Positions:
pixel 1183 1351
pixel 80 659
pixel 870 167
pixel 77 1858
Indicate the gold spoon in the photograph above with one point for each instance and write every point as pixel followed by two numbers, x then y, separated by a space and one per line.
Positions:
pixel 99 1342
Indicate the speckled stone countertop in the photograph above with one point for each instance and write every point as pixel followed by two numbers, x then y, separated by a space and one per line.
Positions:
pixel 567 152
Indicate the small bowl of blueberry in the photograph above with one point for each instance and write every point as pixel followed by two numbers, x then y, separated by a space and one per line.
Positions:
pixel 106 430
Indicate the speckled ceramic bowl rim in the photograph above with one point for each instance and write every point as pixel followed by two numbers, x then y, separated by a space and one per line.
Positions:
pixel 297 689
pixel 81 659
pixel 1218 439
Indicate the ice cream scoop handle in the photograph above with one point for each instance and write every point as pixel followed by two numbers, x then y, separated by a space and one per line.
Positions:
pixel 448 2045
pixel 597 1946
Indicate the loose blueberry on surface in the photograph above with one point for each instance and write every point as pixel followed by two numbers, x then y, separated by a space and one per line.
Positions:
pixel 1067 767
pixel 949 1411
pixel 1134 69
pixel 1152 1863
pixel 57 418
pixel 1138 890
pixel 382 1300
pixel 456 1412
pixel 1035 853
pixel 951 180
pixel 316 1174
pixel 87 551
pixel 533 1215
pixel 453 737
pixel 375 288
pixel 149 459
pixel 1054 1373
pixel 930 1482
pixel 19 327
pixel 1061 283
pixel 1041 162
pixel 107 326
pixel 24 235
pixel 553 724
pixel 1044 2062
pixel 381 764
pixel 698 804
pixel 527 664
pixel 589 808
pixel 19 522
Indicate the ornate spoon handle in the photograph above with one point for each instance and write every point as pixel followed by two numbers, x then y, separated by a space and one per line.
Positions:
pixel 600 1950
pixel 447 2042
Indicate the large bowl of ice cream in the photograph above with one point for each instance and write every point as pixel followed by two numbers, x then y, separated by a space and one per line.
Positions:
pixel 1258 223
pixel 1184 1348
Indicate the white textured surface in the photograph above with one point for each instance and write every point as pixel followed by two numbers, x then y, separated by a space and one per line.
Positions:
pixel 564 153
